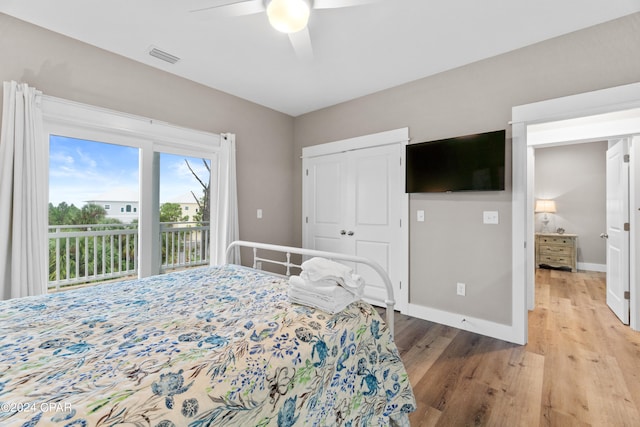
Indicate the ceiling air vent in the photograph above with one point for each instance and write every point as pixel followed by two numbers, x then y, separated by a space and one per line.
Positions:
pixel 160 54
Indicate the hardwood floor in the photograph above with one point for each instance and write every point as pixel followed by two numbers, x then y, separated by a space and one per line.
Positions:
pixel 581 366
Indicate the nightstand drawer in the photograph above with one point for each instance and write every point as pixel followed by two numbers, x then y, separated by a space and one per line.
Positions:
pixel 555 250
pixel 555 260
pixel 555 240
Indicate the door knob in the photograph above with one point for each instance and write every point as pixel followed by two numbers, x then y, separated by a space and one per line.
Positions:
pixel 350 233
pixel 604 236
pixel 343 232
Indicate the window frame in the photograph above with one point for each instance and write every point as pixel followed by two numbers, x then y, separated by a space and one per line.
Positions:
pixel 151 137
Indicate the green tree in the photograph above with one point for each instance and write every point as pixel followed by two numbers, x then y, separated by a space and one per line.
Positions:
pixel 91 214
pixel 63 214
pixel 171 212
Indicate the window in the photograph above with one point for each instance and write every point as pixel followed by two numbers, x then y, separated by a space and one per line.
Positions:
pixel 107 207
pixel 186 208
pixel 151 139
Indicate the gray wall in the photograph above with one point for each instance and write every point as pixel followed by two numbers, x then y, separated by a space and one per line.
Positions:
pixel 452 244
pixel 65 68
pixel 575 177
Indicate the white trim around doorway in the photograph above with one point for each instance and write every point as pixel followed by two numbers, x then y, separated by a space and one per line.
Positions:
pixel 571 108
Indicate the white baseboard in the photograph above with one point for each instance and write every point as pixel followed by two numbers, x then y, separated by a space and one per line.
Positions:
pixel 466 323
pixel 602 268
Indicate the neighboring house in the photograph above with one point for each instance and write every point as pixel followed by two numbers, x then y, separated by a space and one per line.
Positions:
pixel 187 204
pixel 120 204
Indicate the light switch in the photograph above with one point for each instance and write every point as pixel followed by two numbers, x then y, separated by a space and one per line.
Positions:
pixel 259 213
pixel 490 217
pixel 420 216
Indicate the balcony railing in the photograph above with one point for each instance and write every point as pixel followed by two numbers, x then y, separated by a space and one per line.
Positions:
pixel 80 254
pixel 184 244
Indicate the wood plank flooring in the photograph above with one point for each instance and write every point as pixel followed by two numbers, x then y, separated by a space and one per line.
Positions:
pixel 581 366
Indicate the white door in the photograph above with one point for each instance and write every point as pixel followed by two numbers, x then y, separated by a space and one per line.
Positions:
pixel 617 229
pixel 374 212
pixel 353 205
pixel 325 207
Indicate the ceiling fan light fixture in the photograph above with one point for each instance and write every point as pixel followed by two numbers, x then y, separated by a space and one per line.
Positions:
pixel 288 16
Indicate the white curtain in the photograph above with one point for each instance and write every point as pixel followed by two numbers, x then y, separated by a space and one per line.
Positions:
pixel 227 228
pixel 24 155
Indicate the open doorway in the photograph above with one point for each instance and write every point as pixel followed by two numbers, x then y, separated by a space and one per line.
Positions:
pixel 573 177
pixel 613 172
pixel 570 251
pixel 590 116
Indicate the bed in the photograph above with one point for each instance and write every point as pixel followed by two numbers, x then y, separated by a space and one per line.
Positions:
pixel 211 346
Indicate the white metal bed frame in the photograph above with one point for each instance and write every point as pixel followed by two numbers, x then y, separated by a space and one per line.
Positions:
pixel 334 256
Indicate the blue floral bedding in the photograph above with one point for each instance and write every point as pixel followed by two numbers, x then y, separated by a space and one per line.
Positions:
pixel 218 346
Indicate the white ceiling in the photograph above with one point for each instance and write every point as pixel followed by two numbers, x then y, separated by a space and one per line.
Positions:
pixel 357 50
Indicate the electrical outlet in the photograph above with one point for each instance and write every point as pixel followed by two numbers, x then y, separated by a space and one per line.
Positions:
pixel 461 289
pixel 490 217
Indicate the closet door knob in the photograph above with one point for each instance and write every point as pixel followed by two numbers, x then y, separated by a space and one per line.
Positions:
pixel 604 236
pixel 350 233
pixel 343 232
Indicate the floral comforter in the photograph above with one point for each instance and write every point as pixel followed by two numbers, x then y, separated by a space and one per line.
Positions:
pixel 217 346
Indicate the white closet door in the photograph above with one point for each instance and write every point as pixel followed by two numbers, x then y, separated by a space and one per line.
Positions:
pixel 353 205
pixel 374 213
pixel 326 193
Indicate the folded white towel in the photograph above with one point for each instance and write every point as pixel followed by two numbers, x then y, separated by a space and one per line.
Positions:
pixel 334 291
pixel 330 297
pixel 324 272
pixel 318 268
pixel 322 283
pixel 330 305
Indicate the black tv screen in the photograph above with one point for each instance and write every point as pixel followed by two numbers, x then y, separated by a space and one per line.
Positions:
pixel 465 163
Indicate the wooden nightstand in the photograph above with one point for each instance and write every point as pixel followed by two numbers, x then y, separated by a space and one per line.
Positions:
pixel 557 250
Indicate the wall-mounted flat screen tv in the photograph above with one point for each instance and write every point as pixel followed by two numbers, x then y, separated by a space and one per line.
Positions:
pixel 465 163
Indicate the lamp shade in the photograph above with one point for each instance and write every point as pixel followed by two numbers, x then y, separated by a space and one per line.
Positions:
pixel 288 16
pixel 546 206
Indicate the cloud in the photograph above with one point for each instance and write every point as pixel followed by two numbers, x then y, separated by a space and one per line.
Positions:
pixel 61 158
pixel 86 159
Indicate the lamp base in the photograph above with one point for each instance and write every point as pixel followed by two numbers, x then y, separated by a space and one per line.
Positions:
pixel 545 226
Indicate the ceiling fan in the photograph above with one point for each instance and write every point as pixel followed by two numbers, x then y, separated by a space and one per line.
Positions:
pixel 287 16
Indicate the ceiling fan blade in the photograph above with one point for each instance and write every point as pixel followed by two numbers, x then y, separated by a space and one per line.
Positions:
pixel 301 42
pixel 238 8
pixel 333 4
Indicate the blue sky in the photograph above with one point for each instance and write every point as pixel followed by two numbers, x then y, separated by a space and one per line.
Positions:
pixel 83 170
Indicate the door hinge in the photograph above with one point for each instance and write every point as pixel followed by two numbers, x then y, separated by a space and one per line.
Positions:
pixel 400 223
pixel 306 219
pixel 626 158
pixel 627 295
pixel 401 284
pixel 627 227
pixel 307 172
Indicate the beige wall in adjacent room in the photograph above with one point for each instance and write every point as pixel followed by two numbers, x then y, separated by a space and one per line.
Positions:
pixel 66 68
pixel 453 245
pixel 575 177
